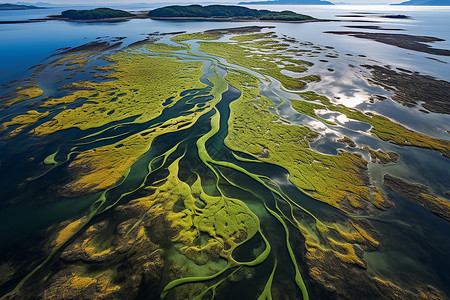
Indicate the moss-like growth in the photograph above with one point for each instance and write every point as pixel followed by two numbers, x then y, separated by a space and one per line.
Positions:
pixel 251 37
pixel 347 141
pixel 196 36
pixel 25 93
pixel 308 108
pixel 24 121
pixel 381 156
pixel 383 128
pixel 237 54
pixel 135 94
pixel 420 194
pixel 68 231
pixel 161 47
pixel 340 180
pixel 73 283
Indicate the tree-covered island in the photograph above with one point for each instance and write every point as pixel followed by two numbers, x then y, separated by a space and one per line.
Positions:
pixel 224 12
pixel 10 6
pixel 95 14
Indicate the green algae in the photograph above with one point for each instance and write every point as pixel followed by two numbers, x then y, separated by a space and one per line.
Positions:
pixel 23 121
pixel 266 293
pixel 161 47
pixel 50 160
pixel 382 127
pixel 308 108
pixel 298 278
pixel 251 37
pixel 24 93
pixel 236 54
pixel 227 222
pixel 141 98
pixel 196 36
pixel 331 179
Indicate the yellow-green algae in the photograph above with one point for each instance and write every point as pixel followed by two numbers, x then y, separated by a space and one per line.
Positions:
pixel 382 127
pixel 24 121
pixel 228 222
pixel 236 54
pixel 141 88
pixel 102 167
pixel 24 93
pixel 161 47
pixel 266 294
pixel 251 37
pixel 254 130
pixel 222 223
pixel 308 108
pixel 196 36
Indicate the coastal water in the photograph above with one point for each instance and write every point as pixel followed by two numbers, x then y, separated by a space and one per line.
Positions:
pixel 24 45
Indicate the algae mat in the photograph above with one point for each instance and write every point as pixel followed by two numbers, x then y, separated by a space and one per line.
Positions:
pixel 187 167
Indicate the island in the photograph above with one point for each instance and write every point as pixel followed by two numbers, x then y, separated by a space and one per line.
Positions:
pixel 425 2
pixel 94 14
pixel 289 2
pixel 9 6
pixel 224 13
pixel 420 194
pixel 405 41
pixel 396 17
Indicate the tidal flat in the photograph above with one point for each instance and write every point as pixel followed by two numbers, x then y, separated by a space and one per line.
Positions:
pixel 211 164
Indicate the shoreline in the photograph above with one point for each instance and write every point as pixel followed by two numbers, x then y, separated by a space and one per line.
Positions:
pixel 235 20
pixel 59 18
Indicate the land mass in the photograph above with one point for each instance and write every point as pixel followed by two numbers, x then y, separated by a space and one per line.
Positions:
pixel 288 2
pixel 95 14
pixel 413 89
pixel 8 6
pixel 420 194
pixel 410 42
pixel 224 12
pixel 426 2
pixel 373 27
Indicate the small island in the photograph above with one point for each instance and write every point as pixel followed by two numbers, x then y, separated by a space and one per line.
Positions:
pixel 396 17
pixel 94 14
pixel 9 6
pixel 224 13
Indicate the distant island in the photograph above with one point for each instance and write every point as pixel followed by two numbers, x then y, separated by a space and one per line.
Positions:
pixel 288 2
pixel 95 14
pixel 224 13
pixel 396 17
pixel 8 6
pixel 426 2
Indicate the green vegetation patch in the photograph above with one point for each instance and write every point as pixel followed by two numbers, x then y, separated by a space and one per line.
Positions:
pixel 237 54
pixel 340 180
pixel 225 11
pixel 308 108
pixel 251 37
pixel 196 36
pixel 383 128
pixel 161 47
pixel 140 91
pixel 23 93
pixel 95 14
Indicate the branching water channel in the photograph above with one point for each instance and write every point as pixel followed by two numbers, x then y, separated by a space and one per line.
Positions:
pixel 167 209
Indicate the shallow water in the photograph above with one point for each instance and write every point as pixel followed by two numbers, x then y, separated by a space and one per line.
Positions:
pixel 415 240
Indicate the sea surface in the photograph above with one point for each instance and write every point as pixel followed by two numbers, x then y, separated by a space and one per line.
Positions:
pixel 25 45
